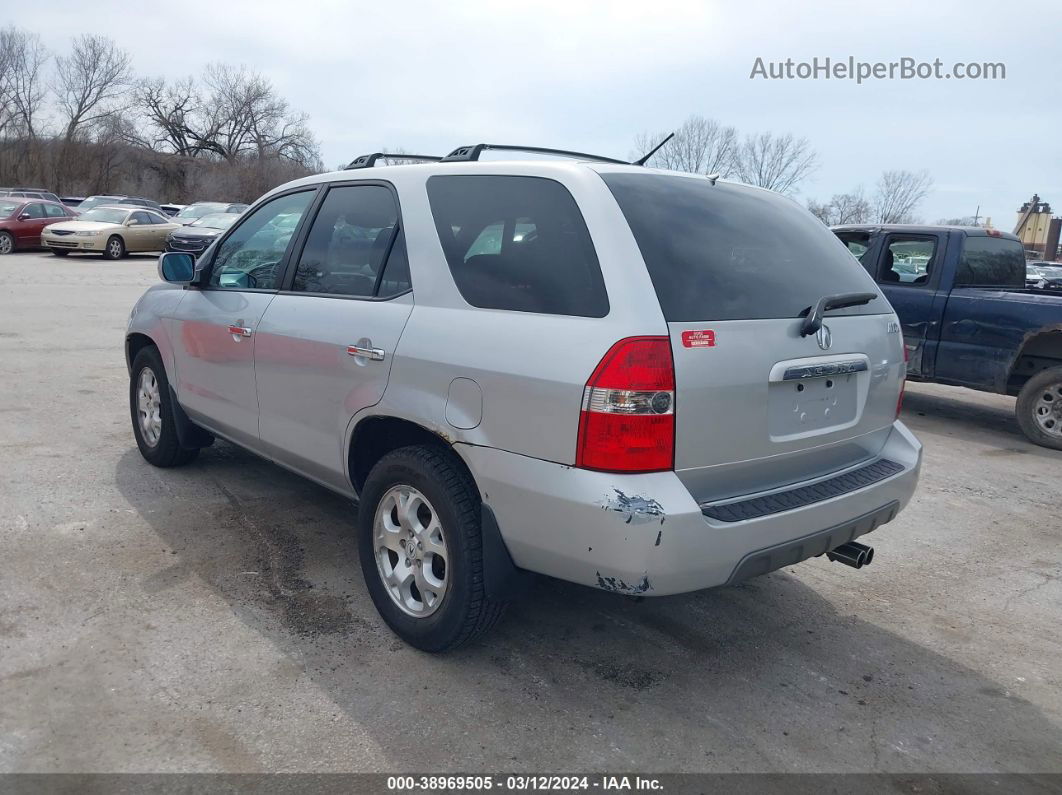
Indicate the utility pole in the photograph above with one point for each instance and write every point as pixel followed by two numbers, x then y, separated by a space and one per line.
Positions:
pixel 977 216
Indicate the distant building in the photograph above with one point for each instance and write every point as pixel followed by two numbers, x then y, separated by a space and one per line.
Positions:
pixel 1038 229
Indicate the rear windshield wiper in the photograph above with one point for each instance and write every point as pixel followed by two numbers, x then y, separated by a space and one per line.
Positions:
pixel 813 321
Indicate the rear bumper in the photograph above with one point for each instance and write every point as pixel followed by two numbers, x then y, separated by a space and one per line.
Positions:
pixel 645 534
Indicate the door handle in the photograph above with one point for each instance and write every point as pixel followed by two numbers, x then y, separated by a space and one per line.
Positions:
pixel 376 354
pixel 240 331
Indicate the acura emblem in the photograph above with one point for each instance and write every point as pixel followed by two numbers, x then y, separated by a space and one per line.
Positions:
pixel 824 337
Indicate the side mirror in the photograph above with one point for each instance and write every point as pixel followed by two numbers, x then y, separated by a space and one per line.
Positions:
pixel 176 267
pixel 24 217
pixel 132 222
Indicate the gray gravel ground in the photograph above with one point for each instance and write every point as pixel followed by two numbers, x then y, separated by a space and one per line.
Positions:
pixel 213 618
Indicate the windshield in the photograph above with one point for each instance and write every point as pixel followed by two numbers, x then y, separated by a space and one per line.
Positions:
pixel 731 252
pixel 94 201
pixel 6 208
pixel 104 215
pixel 215 221
pixel 199 210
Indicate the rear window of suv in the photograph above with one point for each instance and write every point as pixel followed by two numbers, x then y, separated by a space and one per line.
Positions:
pixel 517 243
pixel 730 252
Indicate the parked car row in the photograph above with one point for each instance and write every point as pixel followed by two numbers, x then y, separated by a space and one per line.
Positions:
pixel 1043 275
pixel 109 225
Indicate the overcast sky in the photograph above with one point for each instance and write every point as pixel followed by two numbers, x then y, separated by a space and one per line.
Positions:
pixel 590 76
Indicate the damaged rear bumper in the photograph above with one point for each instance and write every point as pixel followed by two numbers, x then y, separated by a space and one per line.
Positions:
pixel 646 535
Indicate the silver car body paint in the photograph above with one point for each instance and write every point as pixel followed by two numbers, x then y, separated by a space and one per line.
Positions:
pixel 513 415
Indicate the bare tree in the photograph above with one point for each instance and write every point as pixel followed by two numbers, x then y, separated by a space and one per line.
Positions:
pixel 700 146
pixel 897 195
pixel 247 117
pixel 776 162
pixel 90 83
pixel 170 112
pixel 22 91
pixel 843 208
pixel 964 220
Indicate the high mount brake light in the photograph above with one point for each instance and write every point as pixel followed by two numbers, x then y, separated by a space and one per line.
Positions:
pixel 627 422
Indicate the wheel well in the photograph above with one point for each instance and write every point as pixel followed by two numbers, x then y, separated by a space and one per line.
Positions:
pixel 375 437
pixel 1039 352
pixel 135 343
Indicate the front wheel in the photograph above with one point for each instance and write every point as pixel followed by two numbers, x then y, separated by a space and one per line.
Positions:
pixel 7 243
pixel 115 248
pixel 421 549
pixel 152 412
pixel 1039 408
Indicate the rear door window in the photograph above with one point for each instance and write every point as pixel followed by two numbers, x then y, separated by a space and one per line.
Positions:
pixel 908 260
pixel 730 252
pixel 991 262
pixel 517 243
pixel 54 211
pixel 348 242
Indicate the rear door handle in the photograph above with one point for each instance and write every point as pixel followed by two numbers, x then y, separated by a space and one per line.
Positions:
pixel 240 331
pixel 376 354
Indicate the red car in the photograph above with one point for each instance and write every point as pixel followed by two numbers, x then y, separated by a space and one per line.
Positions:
pixel 21 221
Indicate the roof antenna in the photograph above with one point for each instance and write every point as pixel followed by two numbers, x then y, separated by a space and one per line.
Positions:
pixel 641 161
pixel 712 177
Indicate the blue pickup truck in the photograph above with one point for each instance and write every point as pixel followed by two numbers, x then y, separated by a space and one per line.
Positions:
pixel 967 317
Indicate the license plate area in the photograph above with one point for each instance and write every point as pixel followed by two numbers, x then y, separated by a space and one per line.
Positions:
pixel 810 405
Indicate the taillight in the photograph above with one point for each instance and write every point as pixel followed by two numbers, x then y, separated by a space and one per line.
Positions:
pixel 627 423
pixel 903 379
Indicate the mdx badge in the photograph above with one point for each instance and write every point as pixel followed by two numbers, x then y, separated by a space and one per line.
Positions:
pixel 824 337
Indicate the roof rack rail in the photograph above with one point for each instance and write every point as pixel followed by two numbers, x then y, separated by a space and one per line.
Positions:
pixel 465 153
pixel 368 161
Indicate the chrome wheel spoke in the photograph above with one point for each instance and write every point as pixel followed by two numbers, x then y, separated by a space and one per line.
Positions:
pixel 433 540
pixel 429 591
pixel 392 540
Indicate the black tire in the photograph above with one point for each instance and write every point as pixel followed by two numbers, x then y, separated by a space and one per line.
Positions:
pixel 166 451
pixel 7 243
pixel 1031 398
pixel 465 611
pixel 115 248
pixel 59 253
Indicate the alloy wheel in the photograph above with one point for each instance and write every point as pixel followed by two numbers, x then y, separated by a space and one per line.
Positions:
pixel 149 407
pixel 411 552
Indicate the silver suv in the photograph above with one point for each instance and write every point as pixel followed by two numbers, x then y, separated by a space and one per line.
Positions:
pixel 592 370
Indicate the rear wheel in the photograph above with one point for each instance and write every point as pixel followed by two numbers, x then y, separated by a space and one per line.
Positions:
pixel 152 412
pixel 115 248
pixel 421 549
pixel 1039 408
pixel 7 243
